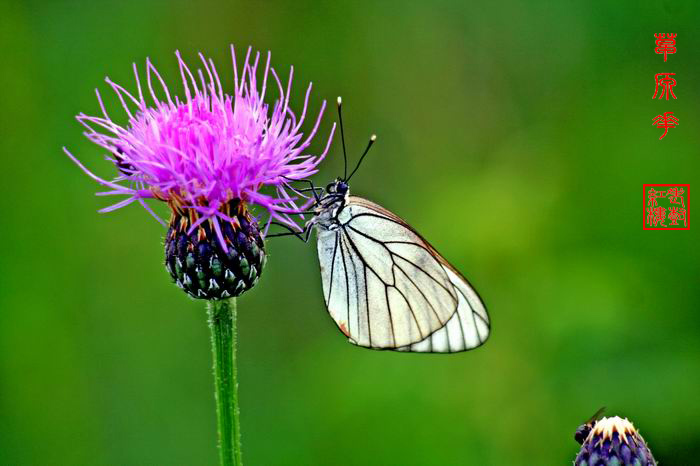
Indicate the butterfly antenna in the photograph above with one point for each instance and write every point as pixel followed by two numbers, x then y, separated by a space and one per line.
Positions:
pixel 369 144
pixel 342 138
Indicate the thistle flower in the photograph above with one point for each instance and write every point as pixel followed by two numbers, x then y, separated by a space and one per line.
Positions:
pixel 612 441
pixel 209 156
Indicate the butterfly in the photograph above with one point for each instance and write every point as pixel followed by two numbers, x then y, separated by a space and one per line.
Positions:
pixel 584 429
pixel 384 285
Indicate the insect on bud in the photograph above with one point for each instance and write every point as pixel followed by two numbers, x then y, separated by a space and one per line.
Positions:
pixel 613 441
pixel 199 264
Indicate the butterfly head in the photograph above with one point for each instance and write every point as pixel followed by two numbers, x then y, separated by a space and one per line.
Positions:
pixel 329 206
pixel 338 187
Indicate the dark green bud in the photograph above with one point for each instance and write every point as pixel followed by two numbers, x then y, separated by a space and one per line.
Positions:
pixel 197 261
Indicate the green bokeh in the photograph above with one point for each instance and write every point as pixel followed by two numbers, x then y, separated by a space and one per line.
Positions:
pixel 516 136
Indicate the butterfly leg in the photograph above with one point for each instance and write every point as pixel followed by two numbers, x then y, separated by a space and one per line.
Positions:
pixel 312 188
pixel 302 235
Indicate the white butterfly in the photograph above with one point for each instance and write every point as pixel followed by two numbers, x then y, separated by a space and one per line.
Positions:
pixel 384 285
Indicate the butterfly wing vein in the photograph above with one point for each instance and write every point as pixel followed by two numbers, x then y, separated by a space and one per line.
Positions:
pixel 387 288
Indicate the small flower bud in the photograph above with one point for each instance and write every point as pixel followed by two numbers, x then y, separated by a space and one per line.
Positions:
pixel 197 261
pixel 613 441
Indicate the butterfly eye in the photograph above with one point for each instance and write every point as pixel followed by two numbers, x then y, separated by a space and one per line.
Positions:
pixel 342 187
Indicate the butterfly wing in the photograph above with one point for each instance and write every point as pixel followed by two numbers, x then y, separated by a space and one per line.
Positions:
pixel 468 328
pixel 388 288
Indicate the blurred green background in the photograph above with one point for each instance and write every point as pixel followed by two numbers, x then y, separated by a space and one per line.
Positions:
pixel 516 136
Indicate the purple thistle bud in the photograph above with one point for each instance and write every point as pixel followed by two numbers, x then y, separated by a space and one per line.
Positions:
pixel 614 441
pixel 209 156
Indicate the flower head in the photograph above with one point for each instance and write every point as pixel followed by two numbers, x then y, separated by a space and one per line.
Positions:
pixel 209 155
pixel 205 150
pixel 613 441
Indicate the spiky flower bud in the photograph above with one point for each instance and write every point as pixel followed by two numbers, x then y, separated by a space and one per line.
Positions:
pixel 614 441
pixel 199 263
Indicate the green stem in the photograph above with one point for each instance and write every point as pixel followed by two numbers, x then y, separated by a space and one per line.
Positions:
pixel 222 323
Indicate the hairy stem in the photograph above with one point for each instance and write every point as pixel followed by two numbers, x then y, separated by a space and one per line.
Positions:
pixel 222 323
